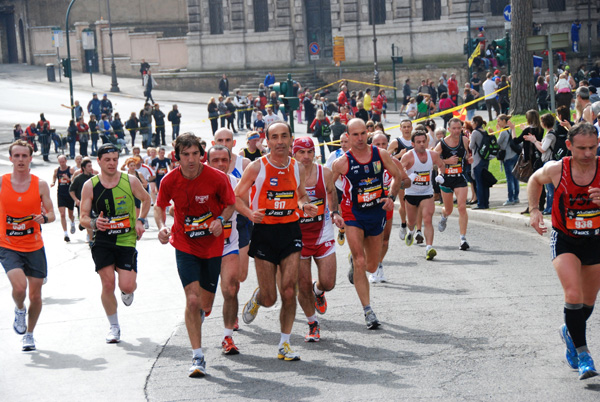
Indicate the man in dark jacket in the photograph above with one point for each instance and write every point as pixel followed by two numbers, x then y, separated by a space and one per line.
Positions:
pixel 159 123
pixel 106 107
pixel 175 118
pixel 144 67
pixel 224 86
pixel 94 106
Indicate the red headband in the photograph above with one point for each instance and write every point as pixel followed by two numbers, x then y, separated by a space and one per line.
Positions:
pixel 303 143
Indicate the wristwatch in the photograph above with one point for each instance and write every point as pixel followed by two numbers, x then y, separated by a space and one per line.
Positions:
pixel 143 220
pixel 222 220
pixel 392 197
pixel 333 213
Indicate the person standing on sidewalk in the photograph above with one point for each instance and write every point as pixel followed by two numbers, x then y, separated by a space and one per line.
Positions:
pixel 510 158
pixel 203 201
pixel 149 84
pixel 22 254
pixel 174 117
pixel 489 87
pixel 574 237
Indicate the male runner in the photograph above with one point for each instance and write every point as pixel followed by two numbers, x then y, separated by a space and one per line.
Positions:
pixel 397 149
pixel 219 157
pixel 575 237
pixel 108 208
pixel 63 174
pixel 22 254
pixel 419 196
pixel 454 151
pixel 254 149
pixel 317 237
pixel 277 183
pixel 380 140
pixel 339 185
pixel 203 201
pixel 238 164
pixel 161 166
pixel 87 172
pixel 364 207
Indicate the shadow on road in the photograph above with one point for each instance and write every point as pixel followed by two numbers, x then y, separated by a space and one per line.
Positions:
pixel 59 361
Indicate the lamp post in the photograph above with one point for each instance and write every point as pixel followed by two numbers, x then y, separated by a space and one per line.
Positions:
pixel 114 86
pixel 376 69
pixel 589 24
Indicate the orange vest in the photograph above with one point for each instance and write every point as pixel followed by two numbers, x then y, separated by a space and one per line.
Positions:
pixel 18 231
pixel 275 190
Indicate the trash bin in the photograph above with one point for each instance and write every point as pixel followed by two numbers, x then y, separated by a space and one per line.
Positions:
pixel 50 71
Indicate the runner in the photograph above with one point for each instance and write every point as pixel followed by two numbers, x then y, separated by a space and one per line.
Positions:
pixel 454 151
pixel 64 174
pixel 364 207
pixel 575 239
pixel 339 185
pixel 317 237
pixel 203 201
pixel 277 183
pixel 254 150
pixel 419 197
pixel 87 172
pixel 22 253
pixel 161 166
pixel 107 207
pixel 380 140
pixel 219 157
pixel 397 149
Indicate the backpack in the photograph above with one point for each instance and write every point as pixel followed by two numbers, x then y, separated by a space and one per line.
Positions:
pixel 489 147
pixel 559 150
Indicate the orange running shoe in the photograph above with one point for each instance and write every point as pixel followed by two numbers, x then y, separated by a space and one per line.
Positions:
pixel 229 347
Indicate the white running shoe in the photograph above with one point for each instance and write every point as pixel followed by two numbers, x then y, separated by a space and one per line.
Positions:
pixel 114 335
pixel 72 227
pixel 20 326
pixel 127 298
pixel 402 232
pixel 28 343
pixel 381 276
pixel 442 224
pixel 198 368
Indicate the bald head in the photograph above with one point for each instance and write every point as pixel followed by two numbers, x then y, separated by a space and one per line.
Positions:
pixel 355 124
pixel 224 136
pixel 380 140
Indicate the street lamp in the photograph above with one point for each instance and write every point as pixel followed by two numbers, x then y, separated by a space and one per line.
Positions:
pixel 376 72
pixel 114 86
pixel 589 24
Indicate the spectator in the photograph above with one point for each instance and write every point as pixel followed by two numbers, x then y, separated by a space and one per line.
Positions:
pixel 322 131
pixel 83 132
pixel 144 67
pixel 259 124
pixel 213 114
pixel 309 109
pixel 594 79
pixel 529 152
pixel 94 106
pixel 377 109
pixel 444 79
pixel 149 84
pixel 93 125
pixel 270 117
pixel 337 128
pixel 222 111
pixel 476 82
pixel 249 108
pixel 541 89
pixel 78 110
pixel 159 122
pixel 240 103
pixel 510 159
pixel 44 137
pixel 132 126
pixel 367 101
pixel 342 98
pixel 17 132
pixel 489 87
pixel 470 95
pixel 412 108
pixel 224 86
pixel 174 117
pixel 230 114
pixel 563 91
pixel 31 132
pixel 269 80
pixel 446 103
pixel 479 164
pixel 145 117
pixel 361 113
pixel 72 138
pixel 594 97
pixel 433 92
pixel 423 88
pixel 406 94
pixel 106 107
pixel 453 88
pixel 503 98
pixel 575 27
pixel 117 126
pixel 442 88
pixel 545 148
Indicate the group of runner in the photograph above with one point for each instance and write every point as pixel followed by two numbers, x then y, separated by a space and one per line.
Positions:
pixel 280 209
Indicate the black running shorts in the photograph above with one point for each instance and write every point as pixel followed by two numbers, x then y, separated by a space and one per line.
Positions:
pixel 205 271
pixel 416 199
pixel 275 242
pixel 584 248
pixel 121 257
pixel 65 201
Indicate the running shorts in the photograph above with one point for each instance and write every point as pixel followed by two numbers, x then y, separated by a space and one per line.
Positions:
pixel 244 227
pixel 584 248
pixel 65 201
pixel 372 227
pixel 450 183
pixel 273 243
pixel 317 250
pixel 416 199
pixel 110 254
pixel 33 263
pixel 205 271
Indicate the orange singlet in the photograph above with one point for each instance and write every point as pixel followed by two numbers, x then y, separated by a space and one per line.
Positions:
pixel 275 190
pixel 18 231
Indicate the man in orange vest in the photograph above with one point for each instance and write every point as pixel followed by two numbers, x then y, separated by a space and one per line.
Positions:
pixel 22 254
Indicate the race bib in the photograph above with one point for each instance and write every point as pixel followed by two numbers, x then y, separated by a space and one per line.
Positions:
pixel 320 203
pixel 197 226
pixel 118 225
pixel 453 169
pixel 583 222
pixel 422 179
pixel 19 226
pixel 162 171
pixel 279 203
pixel 227 231
pixel 368 196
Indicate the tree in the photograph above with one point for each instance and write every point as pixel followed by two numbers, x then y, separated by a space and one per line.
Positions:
pixel 523 88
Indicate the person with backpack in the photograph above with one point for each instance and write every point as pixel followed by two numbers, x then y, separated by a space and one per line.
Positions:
pixel 483 150
pixel 509 154
pixel 321 128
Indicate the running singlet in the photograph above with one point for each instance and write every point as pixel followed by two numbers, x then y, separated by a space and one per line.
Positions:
pixel 421 185
pixel 403 144
pixel 252 156
pixel 18 230
pixel 230 231
pixel 363 187
pixel 238 169
pixel 118 206
pixel 573 212
pixel 161 166
pixel 275 190
pixel 64 181
pixel 456 170
pixel 319 229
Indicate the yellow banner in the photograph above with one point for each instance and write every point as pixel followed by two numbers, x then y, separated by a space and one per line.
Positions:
pixel 476 53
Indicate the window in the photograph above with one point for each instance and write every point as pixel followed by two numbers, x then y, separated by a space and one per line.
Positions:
pixel 432 10
pixel 215 12
pixel 379 7
pixel 556 5
pixel 261 16
pixel 498 6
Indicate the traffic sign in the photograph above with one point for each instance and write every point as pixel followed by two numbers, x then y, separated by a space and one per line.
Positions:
pixel 314 57
pixel 507 13
pixel 339 49
pixel 462 28
pixel 314 48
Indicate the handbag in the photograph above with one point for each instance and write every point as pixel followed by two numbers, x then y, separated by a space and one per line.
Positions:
pixel 517 148
pixel 488 178
pixel 523 169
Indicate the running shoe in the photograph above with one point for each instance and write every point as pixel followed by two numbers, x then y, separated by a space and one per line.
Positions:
pixel 236 326
pixel 286 353
pixel 430 254
pixel 410 238
pixel 72 227
pixel 419 237
pixel 251 308
pixel 380 275
pixel 114 335
pixel 229 347
pixel 147 226
pixel 81 228
pixel 570 352
pixel 67 239
pixel 198 368
pixel 341 238
pixel 402 232
pixel 586 366
pixel 464 245
pixel 127 298
pixel 351 270
pixel 20 326
pixel 442 224
pixel 314 332
pixel 371 320
pixel 320 301
pixel 28 343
